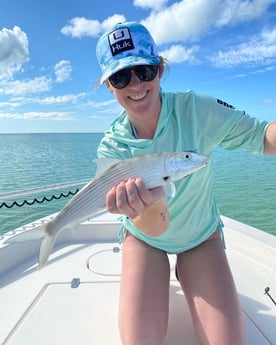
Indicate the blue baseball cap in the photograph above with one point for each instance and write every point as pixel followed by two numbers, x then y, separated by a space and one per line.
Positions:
pixel 125 45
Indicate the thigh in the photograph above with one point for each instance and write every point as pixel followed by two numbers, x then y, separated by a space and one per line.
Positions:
pixel 144 293
pixel 207 282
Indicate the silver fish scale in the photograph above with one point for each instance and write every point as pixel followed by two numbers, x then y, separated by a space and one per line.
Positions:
pixel 91 197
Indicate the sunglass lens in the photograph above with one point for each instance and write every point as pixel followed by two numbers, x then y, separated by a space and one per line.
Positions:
pixel 120 79
pixel 146 72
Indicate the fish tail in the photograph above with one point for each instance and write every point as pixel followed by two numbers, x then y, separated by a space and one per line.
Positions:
pixel 46 247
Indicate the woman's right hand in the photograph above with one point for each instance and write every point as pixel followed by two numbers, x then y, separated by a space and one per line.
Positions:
pixel 147 208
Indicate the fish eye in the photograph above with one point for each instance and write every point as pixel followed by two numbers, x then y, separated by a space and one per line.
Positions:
pixel 188 156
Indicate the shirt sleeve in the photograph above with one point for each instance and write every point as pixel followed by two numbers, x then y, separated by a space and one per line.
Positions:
pixel 229 128
pixel 110 148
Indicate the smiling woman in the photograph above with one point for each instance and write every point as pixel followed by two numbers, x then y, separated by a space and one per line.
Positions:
pixel 214 47
pixel 156 121
pixel 47 54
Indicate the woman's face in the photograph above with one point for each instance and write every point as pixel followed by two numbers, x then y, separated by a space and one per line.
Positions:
pixel 138 98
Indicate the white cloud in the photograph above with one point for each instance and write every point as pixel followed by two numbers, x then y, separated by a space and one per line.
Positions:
pixel 243 10
pixel 101 104
pixel 63 71
pixel 151 4
pixel 178 53
pixel 80 26
pixel 111 21
pixel 23 87
pixel 192 19
pixel 263 70
pixel 260 49
pixel 55 116
pixel 52 115
pixel 69 98
pixel 14 51
pixel 269 36
pixel 12 103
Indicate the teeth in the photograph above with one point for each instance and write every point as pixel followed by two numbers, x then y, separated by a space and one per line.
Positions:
pixel 137 97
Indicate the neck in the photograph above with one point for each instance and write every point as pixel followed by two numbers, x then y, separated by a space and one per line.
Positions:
pixel 145 130
pixel 145 124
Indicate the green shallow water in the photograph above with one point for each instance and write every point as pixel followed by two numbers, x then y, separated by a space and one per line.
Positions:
pixel 244 184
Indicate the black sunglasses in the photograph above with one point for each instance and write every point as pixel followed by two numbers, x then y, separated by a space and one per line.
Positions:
pixel 122 78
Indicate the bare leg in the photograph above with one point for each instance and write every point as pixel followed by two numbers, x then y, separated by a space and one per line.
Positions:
pixel 207 282
pixel 144 294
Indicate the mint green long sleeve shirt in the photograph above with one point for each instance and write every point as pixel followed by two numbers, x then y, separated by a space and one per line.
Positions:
pixel 188 122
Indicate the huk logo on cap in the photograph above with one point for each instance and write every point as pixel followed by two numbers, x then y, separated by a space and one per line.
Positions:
pixel 120 40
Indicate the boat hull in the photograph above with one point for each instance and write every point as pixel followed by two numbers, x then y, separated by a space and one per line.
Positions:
pixel 74 299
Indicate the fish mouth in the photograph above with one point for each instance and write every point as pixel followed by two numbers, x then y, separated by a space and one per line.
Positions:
pixel 203 163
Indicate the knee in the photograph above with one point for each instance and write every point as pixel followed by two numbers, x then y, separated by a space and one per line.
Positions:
pixel 230 336
pixel 142 339
pixel 148 335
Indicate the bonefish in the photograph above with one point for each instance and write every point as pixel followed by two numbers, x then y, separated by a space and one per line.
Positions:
pixel 158 169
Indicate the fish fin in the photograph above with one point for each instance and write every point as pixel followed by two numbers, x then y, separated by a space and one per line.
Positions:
pixel 29 235
pixel 46 247
pixel 104 164
pixel 169 187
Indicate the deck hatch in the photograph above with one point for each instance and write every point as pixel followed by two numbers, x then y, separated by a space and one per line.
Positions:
pixel 62 315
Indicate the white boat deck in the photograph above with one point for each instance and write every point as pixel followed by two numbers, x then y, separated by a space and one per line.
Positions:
pixel 74 299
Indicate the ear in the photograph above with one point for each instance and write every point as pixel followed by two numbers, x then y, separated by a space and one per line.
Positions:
pixel 108 85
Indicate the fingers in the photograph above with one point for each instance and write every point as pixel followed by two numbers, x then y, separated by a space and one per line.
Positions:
pixel 131 197
pixel 124 199
pixel 110 200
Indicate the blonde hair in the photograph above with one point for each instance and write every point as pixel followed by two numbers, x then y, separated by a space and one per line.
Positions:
pixel 163 66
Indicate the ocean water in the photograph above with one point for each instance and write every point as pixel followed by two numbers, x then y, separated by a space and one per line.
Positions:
pixel 244 184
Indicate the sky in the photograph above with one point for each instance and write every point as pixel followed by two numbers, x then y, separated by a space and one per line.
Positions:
pixel 48 66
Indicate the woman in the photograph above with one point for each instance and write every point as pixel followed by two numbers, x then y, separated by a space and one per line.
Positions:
pixel 188 225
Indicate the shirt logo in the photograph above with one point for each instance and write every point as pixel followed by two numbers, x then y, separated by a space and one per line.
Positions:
pixel 120 40
pixel 219 101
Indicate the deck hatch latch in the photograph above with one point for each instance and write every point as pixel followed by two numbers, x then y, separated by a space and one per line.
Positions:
pixel 75 283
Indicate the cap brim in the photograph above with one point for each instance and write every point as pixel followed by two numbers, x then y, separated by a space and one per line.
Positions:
pixel 128 62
